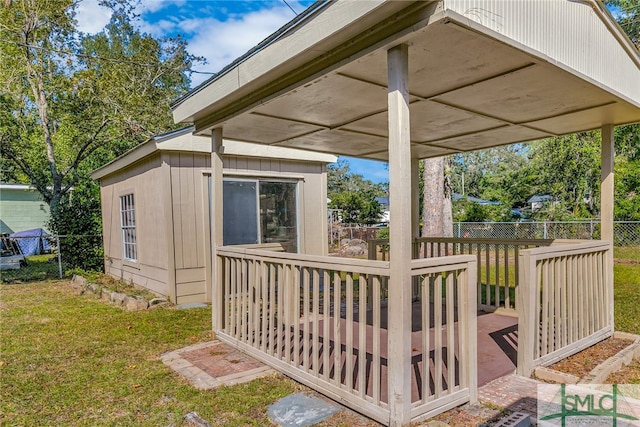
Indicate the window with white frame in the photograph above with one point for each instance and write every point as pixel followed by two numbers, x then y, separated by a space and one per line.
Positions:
pixel 128 224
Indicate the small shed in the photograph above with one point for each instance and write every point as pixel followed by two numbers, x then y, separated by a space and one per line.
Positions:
pixel 156 215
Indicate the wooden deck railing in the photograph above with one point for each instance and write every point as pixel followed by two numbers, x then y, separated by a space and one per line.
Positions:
pixel 565 301
pixel 323 321
pixel 447 333
pixel 497 272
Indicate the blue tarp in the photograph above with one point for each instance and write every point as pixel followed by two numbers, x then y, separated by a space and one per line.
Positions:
pixel 32 242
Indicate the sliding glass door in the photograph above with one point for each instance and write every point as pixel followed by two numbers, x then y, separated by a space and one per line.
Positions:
pixel 260 211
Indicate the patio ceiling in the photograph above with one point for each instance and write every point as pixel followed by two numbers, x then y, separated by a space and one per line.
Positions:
pixel 470 88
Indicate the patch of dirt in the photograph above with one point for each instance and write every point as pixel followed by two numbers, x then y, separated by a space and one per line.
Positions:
pixel 627 375
pixel 627 261
pixel 580 364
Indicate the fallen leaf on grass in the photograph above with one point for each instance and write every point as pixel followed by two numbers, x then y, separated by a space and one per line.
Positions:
pixel 2 363
pixel 131 367
pixel 129 326
pixel 137 385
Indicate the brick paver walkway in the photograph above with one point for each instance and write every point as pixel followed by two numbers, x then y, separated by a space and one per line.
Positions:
pixel 212 364
pixel 513 392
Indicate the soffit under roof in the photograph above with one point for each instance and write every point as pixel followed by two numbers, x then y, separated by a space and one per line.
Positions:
pixel 468 91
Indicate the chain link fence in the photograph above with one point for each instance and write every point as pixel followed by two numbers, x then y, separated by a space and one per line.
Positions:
pixel 626 233
pixel 40 257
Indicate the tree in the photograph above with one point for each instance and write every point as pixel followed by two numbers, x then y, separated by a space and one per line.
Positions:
pixel 498 173
pixel 340 178
pixel 568 168
pixel 354 195
pixel 357 208
pixel 627 190
pixel 628 16
pixel 70 101
pixel 437 217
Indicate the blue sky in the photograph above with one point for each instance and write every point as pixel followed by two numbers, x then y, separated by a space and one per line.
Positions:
pixel 218 30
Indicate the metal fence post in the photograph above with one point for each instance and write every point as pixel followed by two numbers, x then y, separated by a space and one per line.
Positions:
pixel 59 256
pixel 545 230
pixel 458 230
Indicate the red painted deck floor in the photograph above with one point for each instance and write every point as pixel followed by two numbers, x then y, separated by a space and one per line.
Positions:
pixel 497 353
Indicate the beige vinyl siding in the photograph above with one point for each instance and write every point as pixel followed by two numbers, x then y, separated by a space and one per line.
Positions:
pixel 191 285
pixel 142 180
pixel 172 217
pixel 532 23
pixel 147 276
pixel 189 216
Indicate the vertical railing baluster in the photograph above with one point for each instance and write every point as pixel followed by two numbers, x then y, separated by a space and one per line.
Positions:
pixel 326 320
pixel 376 364
pixel 297 276
pixel 348 381
pixel 362 337
pixel 437 331
pixel 315 346
pixel 337 333
pixel 426 331
pixel 451 336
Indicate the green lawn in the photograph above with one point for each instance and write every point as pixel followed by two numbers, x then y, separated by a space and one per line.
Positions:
pixel 72 360
pixel 39 267
pixel 627 297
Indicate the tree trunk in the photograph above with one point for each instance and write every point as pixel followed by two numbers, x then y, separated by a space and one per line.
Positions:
pixel 447 208
pixel 437 217
pixel 433 198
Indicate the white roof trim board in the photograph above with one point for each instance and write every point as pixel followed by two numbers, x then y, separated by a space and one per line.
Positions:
pixel 481 73
pixel 183 140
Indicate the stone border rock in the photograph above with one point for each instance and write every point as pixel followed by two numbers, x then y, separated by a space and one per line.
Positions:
pixel 601 372
pixel 127 302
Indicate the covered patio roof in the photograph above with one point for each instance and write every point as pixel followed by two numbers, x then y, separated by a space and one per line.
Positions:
pixel 398 81
pixel 481 74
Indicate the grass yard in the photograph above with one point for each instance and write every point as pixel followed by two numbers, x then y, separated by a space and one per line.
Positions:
pixel 72 360
pixel 39 267
pixel 627 297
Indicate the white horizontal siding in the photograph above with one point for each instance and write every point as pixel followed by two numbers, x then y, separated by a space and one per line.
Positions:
pixel 569 32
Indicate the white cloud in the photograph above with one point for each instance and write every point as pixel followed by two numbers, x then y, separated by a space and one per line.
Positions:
pixel 222 42
pixel 156 5
pixel 92 17
pixel 158 29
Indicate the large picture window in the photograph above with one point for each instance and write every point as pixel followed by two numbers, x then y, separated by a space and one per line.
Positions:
pixel 260 211
pixel 128 224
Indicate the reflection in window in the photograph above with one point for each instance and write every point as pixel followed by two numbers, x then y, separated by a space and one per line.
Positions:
pixel 278 214
pixel 273 219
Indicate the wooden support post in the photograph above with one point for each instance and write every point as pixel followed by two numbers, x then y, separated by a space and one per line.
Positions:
pixel 400 230
pixel 217 285
pixel 527 303
pixel 607 155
